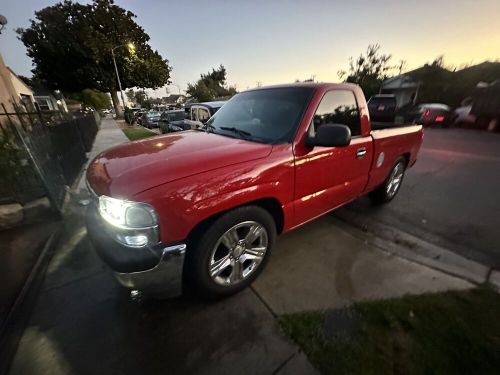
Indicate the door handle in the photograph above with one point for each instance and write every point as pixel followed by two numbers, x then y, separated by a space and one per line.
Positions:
pixel 360 153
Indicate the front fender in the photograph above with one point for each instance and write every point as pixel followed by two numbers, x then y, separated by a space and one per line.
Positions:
pixel 182 204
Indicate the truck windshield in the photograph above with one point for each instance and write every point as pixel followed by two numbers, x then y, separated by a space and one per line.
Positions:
pixel 265 115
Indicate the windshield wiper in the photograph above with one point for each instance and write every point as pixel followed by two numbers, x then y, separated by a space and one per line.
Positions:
pixel 241 132
pixel 209 128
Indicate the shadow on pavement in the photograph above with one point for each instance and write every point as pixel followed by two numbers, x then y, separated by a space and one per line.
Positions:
pixel 84 323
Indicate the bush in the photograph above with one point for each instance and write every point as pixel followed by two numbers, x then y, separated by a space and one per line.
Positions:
pixel 129 115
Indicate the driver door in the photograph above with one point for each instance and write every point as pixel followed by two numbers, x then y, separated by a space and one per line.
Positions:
pixel 327 177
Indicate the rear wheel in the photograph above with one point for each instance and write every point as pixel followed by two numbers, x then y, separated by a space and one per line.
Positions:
pixel 232 252
pixel 389 189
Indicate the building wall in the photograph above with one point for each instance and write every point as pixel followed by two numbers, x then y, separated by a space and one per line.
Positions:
pixel 19 86
pixel 12 88
pixel 7 90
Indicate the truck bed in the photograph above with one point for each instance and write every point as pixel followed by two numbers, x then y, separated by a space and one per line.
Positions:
pixel 389 144
pixel 376 125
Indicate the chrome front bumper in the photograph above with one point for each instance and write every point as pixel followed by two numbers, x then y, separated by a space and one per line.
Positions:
pixel 164 280
pixel 155 270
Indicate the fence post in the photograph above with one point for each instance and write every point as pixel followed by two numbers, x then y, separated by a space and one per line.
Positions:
pixel 19 116
pixel 28 113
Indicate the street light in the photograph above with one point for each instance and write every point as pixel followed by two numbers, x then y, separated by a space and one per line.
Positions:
pixel 130 46
pixel 178 87
pixel 3 22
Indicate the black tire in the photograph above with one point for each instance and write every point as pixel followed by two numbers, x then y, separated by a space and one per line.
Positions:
pixel 383 194
pixel 200 256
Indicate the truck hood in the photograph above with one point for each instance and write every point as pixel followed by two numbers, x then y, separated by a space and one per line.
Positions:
pixel 131 168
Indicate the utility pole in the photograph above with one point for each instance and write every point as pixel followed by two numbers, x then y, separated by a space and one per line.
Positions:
pixel 130 46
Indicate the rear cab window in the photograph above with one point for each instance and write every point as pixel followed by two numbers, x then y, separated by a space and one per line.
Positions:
pixel 385 103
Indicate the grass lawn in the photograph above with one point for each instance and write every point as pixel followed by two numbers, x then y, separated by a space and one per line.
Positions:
pixel 443 333
pixel 138 133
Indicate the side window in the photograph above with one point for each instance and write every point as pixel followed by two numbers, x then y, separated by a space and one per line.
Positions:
pixel 194 113
pixel 338 107
pixel 203 114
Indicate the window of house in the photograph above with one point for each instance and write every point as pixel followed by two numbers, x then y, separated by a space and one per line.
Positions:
pixel 338 107
pixel 44 104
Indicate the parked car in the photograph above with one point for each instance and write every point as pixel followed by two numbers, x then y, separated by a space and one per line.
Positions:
pixel 199 113
pixel 432 114
pixel 485 105
pixel 462 116
pixel 195 116
pixel 150 119
pixel 173 121
pixel 205 207
pixel 137 116
pixel 382 108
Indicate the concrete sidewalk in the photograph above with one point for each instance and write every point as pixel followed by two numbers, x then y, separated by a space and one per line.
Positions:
pixel 84 323
pixel 109 135
pixel 322 266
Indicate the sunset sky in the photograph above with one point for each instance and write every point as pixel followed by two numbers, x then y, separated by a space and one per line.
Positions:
pixel 280 41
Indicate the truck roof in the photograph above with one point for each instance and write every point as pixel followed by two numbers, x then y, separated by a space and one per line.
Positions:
pixel 317 85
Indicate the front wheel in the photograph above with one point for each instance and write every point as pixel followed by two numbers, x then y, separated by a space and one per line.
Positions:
pixel 388 190
pixel 232 252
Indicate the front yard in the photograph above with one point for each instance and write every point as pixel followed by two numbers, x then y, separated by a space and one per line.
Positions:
pixel 138 133
pixel 443 333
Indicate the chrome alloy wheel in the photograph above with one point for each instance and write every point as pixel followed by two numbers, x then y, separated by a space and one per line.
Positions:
pixel 395 179
pixel 238 253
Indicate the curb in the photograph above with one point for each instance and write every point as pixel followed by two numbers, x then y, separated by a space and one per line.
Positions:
pixel 13 328
pixel 418 250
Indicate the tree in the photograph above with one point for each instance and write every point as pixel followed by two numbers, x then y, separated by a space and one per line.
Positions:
pixel 70 44
pixel 141 98
pixel 92 98
pixel 130 94
pixel 434 82
pixel 369 70
pixel 211 86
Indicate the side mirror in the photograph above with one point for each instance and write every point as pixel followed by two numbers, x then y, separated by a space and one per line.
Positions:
pixel 331 135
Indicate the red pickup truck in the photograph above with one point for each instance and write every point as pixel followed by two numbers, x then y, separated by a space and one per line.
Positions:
pixel 204 206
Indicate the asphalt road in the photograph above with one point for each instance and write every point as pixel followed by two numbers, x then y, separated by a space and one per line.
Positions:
pixel 451 196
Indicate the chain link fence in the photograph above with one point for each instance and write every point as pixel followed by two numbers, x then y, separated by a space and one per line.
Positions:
pixel 42 152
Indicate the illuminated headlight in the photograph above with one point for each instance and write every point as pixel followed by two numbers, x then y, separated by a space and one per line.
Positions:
pixel 134 224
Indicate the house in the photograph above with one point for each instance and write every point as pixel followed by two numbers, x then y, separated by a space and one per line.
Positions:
pixel 433 83
pixel 13 89
pixel 402 87
pixel 174 99
pixel 48 100
pixel 407 86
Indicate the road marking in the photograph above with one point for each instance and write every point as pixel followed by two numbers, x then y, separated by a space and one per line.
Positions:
pixel 460 155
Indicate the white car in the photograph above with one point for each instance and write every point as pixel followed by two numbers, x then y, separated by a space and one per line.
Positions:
pixel 462 116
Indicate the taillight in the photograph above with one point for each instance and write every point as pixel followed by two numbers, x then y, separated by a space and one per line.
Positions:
pixel 439 118
pixel 427 113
